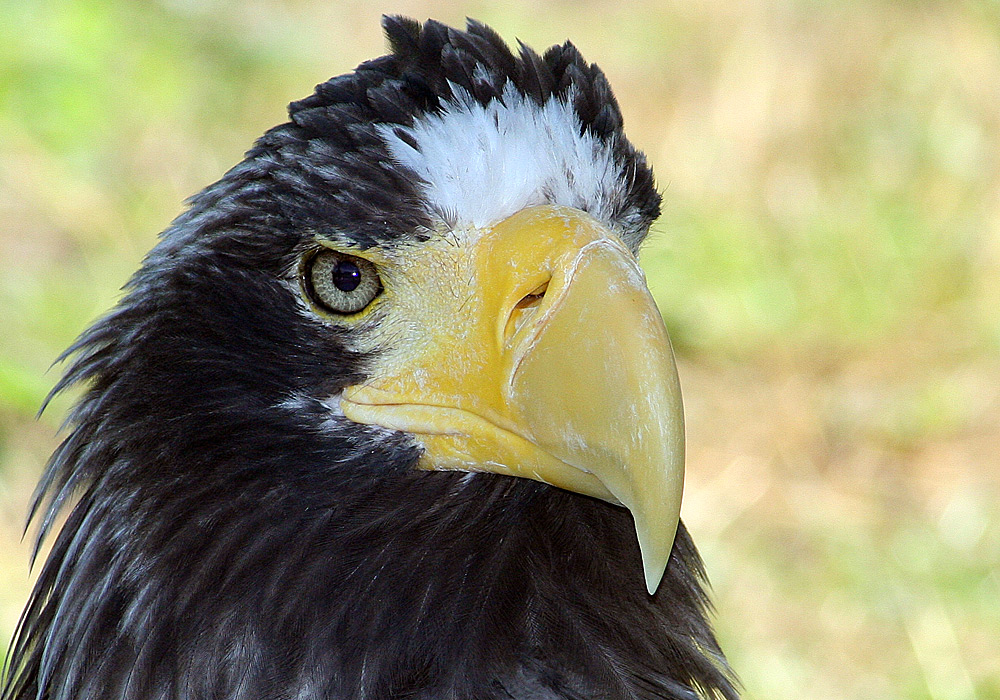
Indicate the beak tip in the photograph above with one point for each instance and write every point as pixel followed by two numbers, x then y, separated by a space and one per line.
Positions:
pixel 653 571
pixel 655 551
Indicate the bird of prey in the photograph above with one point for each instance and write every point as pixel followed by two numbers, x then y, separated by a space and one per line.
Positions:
pixel 388 412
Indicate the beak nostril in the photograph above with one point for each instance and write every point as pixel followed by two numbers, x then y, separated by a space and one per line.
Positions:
pixel 534 298
pixel 523 309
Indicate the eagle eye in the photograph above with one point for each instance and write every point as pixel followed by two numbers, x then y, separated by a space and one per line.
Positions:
pixel 339 283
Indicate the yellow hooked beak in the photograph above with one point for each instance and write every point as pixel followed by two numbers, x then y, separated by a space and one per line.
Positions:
pixel 534 349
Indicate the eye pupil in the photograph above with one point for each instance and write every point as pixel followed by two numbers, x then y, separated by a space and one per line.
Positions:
pixel 346 276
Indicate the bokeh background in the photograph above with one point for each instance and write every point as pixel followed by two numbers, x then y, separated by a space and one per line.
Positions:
pixel 828 263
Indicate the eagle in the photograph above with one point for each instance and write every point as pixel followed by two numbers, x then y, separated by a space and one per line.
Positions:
pixel 387 413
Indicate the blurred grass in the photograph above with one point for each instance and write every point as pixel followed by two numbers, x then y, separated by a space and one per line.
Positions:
pixel 828 263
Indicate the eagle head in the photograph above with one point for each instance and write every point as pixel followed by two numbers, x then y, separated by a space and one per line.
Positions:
pixel 387 412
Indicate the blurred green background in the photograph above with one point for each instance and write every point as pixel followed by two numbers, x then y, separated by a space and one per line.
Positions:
pixel 828 262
